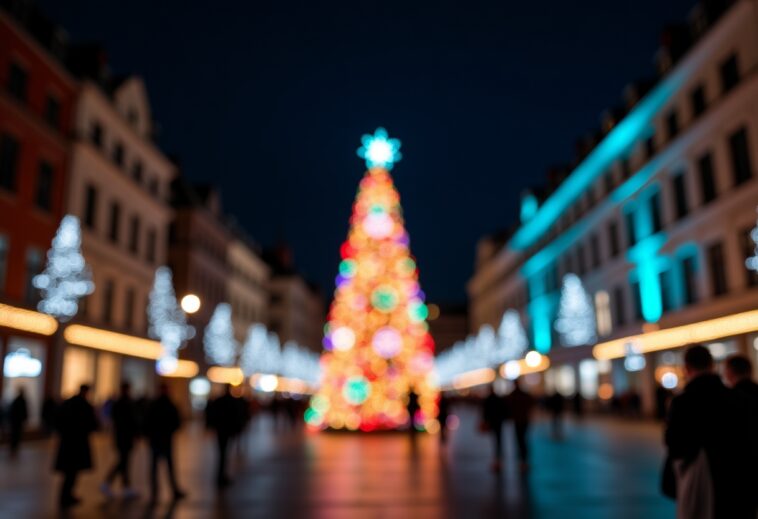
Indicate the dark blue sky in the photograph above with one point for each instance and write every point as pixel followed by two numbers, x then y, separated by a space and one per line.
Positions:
pixel 269 100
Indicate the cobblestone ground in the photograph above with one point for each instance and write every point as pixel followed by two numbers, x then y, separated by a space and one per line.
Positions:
pixel 601 469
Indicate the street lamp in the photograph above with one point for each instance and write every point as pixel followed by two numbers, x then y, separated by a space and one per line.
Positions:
pixel 190 303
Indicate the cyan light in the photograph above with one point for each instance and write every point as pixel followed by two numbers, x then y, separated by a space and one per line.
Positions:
pixel 529 206
pixel 379 151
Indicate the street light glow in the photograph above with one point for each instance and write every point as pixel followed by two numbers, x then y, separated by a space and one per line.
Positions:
pixel 190 303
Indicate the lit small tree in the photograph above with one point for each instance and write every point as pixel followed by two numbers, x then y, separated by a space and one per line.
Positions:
pixel 220 345
pixel 167 320
pixel 66 278
pixel 576 315
pixel 512 340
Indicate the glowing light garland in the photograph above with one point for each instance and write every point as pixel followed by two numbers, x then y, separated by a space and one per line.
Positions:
pixel 66 277
pixel 219 343
pixel 377 343
pixel 576 316
pixel 167 321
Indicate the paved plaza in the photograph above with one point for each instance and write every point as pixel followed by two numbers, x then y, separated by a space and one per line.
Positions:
pixel 602 469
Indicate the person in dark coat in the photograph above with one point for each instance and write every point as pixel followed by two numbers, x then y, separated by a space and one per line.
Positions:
pixel 738 371
pixel 555 404
pixel 412 407
pixel 18 413
pixel 224 417
pixel 520 405
pixel 125 432
pixel 494 413
pixel 161 422
pixel 708 417
pixel 75 422
pixel 442 416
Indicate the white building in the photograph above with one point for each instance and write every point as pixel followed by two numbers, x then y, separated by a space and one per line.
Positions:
pixel 118 186
pixel 654 218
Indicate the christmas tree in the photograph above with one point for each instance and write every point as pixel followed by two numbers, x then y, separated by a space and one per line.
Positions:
pixel 218 340
pixel 576 315
pixel 66 277
pixel 378 348
pixel 512 337
pixel 167 321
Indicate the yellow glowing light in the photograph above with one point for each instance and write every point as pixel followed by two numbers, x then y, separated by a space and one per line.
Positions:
pixel 532 363
pixel 190 303
pixel 605 391
pixel 473 378
pixel 703 331
pixel 184 369
pixel 27 320
pixel 104 340
pixel 533 359
pixel 225 375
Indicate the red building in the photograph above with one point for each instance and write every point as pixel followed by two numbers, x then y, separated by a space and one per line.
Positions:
pixel 36 102
pixel 37 97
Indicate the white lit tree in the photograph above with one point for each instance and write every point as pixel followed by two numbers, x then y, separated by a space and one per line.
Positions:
pixel 253 355
pixel 576 315
pixel 512 340
pixel 66 278
pixel 752 261
pixel 220 345
pixel 168 322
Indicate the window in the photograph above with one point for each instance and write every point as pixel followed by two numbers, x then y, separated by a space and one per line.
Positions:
pixel 664 278
pixel 631 235
pixel 43 198
pixel 9 149
pixel 707 179
pixel 730 73
pixel 151 242
pixel 626 169
pixel 619 306
pixel 115 224
pixel 53 111
pixel 655 212
pixel 90 206
pixel 672 124
pixel 34 265
pixel 118 154
pixel 717 267
pixel 134 235
pixel 153 187
pixel 96 134
pixel 613 239
pixel 680 195
pixel 636 299
pixel 129 302
pixel 595 250
pixel 689 278
pixel 137 172
pixel 748 251
pixel 738 147
pixel 608 181
pixel 650 147
pixel 603 313
pixel 17 82
pixel 4 246
pixel 580 260
pixel 697 98
pixel 108 293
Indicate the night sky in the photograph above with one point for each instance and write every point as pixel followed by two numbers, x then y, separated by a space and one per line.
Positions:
pixel 269 100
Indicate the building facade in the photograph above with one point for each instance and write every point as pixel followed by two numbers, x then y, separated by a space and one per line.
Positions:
pixel 247 284
pixel 37 97
pixel 119 188
pixel 654 218
pixel 199 254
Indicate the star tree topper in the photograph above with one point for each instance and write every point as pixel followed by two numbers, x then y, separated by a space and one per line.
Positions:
pixel 379 151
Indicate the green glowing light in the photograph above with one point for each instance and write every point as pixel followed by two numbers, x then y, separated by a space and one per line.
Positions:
pixel 384 298
pixel 356 390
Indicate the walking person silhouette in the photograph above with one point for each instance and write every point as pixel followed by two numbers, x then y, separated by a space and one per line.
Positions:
pixel 161 422
pixel 125 432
